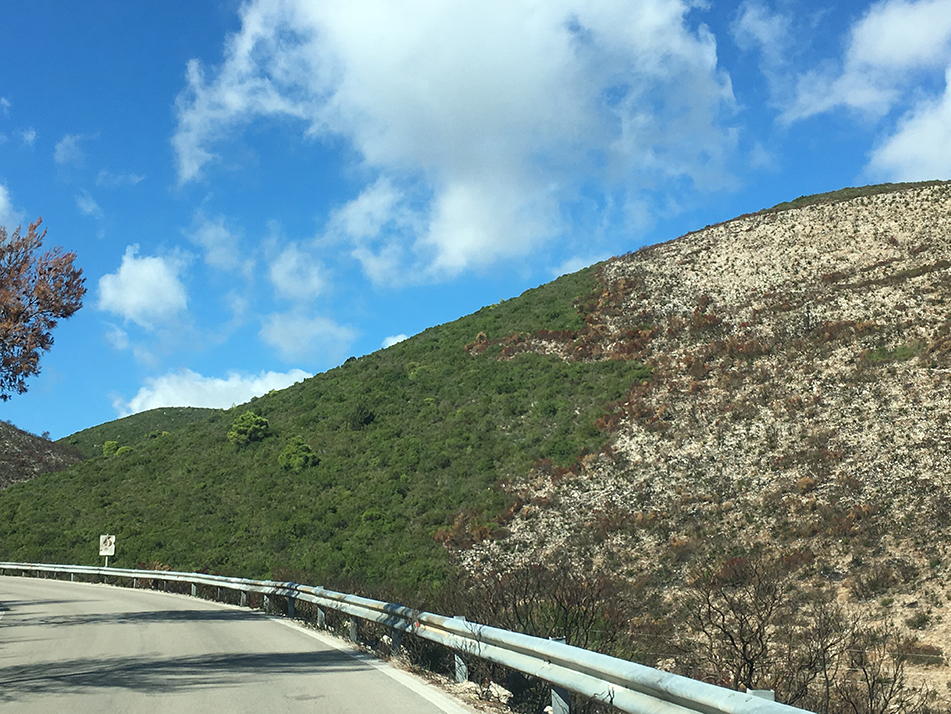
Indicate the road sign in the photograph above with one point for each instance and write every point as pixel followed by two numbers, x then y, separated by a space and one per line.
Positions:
pixel 107 545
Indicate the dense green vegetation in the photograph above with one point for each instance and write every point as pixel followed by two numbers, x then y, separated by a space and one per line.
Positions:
pixel 359 466
pixel 133 428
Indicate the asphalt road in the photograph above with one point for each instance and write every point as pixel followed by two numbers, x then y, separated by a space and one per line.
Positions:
pixel 94 648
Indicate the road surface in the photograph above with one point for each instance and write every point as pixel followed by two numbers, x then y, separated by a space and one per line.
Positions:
pixel 94 648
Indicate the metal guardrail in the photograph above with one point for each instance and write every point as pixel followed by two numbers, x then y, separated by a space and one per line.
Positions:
pixel 628 686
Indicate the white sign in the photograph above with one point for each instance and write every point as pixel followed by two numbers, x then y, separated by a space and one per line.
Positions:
pixel 107 545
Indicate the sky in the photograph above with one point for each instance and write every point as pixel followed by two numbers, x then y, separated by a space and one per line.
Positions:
pixel 258 190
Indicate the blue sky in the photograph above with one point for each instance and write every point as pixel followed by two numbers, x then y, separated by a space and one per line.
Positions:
pixel 257 191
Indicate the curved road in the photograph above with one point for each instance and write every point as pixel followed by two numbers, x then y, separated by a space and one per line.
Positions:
pixel 95 648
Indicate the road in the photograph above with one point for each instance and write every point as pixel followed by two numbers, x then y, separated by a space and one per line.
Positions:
pixel 94 648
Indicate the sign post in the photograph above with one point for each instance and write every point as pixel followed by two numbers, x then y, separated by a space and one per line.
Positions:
pixel 107 546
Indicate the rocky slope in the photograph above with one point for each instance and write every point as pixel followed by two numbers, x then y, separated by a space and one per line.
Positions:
pixel 800 398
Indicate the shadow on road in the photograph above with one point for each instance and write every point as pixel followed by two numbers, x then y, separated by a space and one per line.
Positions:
pixel 137 617
pixel 164 675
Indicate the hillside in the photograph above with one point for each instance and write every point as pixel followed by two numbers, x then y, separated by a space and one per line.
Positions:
pixel 799 363
pixel 796 420
pixel 726 455
pixel 24 456
pixel 132 429
pixel 398 444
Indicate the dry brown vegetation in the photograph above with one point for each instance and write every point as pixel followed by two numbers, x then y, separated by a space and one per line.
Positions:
pixel 798 408
pixel 24 455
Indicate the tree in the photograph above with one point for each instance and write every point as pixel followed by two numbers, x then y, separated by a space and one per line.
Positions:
pixel 35 291
pixel 297 456
pixel 247 428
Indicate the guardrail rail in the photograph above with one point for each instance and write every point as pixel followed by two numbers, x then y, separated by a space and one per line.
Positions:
pixel 625 685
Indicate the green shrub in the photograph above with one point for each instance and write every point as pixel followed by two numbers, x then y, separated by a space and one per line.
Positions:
pixel 297 456
pixel 110 448
pixel 247 428
pixel 123 450
pixel 360 417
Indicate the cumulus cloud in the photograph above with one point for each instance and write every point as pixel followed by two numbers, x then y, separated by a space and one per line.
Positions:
pixel 920 148
pixel 297 275
pixel 69 151
pixel 757 28
pixel 393 339
pixel 28 136
pixel 88 206
pixel 5 105
pixel 190 389
pixel 9 217
pixel 474 122
pixel 893 43
pixel 297 335
pixel 117 337
pixel 894 55
pixel 145 290
pixel 221 245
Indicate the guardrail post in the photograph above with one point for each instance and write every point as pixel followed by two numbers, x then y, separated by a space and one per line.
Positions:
pixel 165 586
pixel 72 577
pixel 244 598
pixel 354 637
pixel 290 606
pixel 396 640
pixel 194 590
pixel 321 618
pixel 135 583
pixel 559 695
pixel 462 669
pixel 217 594
pixel 267 603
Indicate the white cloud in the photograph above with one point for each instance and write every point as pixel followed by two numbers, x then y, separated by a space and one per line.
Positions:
pixel 573 265
pixel 889 46
pixel 9 217
pixel 758 28
pixel 28 136
pixel 5 105
pixel 88 206
pixel 920 149
pixel 190 389
pixel 108 179
pixel 117 337
pixel 297 336
pixel 475 119
pixel 144 290
pixel 761 158
pixel 379 223
pixel 68 150
pixel 297 275
pixel 222 245
pixel 393 339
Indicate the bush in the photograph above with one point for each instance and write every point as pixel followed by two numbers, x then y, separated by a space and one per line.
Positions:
pixel 360 417
pixel 247 428
pixel 123 450
pixel 297 456
pixel 110 448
